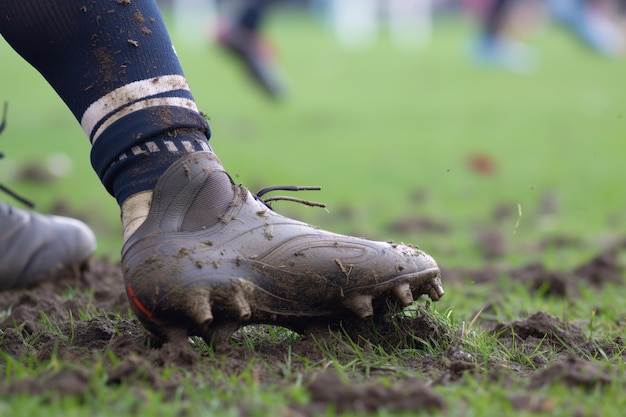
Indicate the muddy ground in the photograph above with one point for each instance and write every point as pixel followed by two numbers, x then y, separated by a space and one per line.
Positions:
pixel 83 314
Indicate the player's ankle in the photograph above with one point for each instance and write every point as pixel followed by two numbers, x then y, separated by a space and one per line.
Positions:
pixel 135 210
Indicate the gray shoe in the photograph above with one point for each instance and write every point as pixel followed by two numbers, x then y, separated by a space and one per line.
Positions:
pixel 212 257
pixel 33 247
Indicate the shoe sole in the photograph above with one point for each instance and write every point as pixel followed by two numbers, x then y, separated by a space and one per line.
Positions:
pixel 215 312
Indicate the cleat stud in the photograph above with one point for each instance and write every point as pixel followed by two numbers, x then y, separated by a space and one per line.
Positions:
pixel 403 293
pixel 439 290
pixel 244 312
pixel 435 292
pixel 200 310
pixel 360 304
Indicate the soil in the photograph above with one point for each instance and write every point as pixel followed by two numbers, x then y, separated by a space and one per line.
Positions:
pixel 84 315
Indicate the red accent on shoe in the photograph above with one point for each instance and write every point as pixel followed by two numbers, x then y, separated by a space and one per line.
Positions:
pixel 140 306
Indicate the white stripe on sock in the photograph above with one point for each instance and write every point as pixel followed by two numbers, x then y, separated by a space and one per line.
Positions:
pixel 142 105
pixel 170 146
pixel 121 97
pixel 188 146
pixel 152 147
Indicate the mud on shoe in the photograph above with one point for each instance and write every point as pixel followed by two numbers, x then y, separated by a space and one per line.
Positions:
pixel 212 257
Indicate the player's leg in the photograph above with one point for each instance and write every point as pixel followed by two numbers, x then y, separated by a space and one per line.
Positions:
pixel 495 48
pixel 241 33
pixel 202 255
pixel 592 22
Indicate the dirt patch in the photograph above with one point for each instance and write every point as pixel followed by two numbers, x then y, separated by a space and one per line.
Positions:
pixel 574 372
pixel 600 270
pixel 83 317
pixel 329 391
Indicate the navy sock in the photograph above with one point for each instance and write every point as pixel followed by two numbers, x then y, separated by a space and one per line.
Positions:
pixel 112 62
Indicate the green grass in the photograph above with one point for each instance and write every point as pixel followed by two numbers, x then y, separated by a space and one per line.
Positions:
pixel 374 128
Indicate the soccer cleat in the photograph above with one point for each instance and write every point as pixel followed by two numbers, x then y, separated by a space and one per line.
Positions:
pixel 256 56
pixel 212 257
pixel 34 247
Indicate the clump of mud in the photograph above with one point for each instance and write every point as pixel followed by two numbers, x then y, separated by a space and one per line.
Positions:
pixel 328 388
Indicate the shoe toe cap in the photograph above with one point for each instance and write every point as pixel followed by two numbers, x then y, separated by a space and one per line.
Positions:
pixel 43 245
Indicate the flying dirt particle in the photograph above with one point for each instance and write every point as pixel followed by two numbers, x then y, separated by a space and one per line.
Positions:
pixel 133 42
pixel 481 163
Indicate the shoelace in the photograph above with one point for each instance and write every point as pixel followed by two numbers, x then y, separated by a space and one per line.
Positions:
pixel 268 201
pixel 3 187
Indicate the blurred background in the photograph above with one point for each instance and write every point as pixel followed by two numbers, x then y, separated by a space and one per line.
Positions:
pixel 482 131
